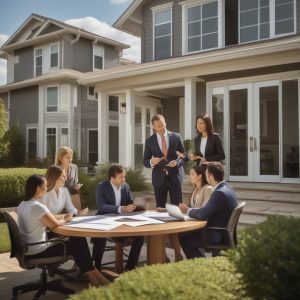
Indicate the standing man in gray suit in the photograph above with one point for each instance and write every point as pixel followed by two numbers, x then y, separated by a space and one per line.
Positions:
pixel 160 155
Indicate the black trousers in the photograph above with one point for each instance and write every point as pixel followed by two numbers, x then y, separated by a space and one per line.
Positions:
pixel 193 243
pixel 134 254
pixel 161 193
pixel 76 246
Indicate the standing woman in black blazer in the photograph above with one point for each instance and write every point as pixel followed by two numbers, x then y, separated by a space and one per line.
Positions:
pixel 208 144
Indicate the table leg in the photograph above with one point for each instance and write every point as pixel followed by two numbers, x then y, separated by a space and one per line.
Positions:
pixel 156 250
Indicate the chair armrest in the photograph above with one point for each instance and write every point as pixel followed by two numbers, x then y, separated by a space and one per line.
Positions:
pixel 53 241
pixel 216 228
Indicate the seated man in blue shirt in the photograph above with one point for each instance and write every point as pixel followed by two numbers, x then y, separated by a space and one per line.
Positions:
pixel 216 211
pixel 113 196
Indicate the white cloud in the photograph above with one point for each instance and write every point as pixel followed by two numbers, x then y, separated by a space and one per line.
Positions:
pixel 3 63
pixel 101 28
pixel 118 1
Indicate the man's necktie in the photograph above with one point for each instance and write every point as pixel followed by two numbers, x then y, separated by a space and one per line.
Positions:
pixel 164 147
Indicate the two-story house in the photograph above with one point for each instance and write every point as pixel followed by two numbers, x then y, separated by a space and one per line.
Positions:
pixel 237 60
pixel 45 58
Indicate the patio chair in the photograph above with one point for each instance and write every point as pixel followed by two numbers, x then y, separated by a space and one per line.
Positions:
pixel 18 249
pixel 230 231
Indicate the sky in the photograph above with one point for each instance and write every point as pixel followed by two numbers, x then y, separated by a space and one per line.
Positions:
pixel 96 16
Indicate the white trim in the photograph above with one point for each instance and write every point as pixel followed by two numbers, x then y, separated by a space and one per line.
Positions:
pixel 97 48
pixel 58 98
pixel 221 28
pixel 162 7
pixel 157 9
pixel 29 126
pixel 49 125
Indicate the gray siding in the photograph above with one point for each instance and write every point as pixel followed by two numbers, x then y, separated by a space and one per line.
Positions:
pixel 171 113
pixel 24 69
pixel 19 99
pixel 147 36
pixel 83 55
pixel 88 114
pixel 67 51
pixel 200 98
pixel 111 57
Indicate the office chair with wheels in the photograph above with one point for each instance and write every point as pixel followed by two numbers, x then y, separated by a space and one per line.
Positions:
pixel 18 250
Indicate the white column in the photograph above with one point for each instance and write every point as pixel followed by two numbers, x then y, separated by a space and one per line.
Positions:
pixel 129 123
pixel 122 132
pixel 103 137
pixel 189 107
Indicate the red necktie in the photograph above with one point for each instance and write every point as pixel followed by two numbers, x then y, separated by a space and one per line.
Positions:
pixel 164 147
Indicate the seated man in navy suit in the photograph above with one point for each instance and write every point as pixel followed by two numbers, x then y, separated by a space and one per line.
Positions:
pixel 161 155
pixel 216 211
pixel 114 196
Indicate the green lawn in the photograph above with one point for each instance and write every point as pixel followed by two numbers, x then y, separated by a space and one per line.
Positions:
pixel 4 238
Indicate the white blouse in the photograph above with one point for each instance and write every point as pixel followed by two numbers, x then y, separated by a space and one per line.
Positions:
pixel 32 229
pixel 57 202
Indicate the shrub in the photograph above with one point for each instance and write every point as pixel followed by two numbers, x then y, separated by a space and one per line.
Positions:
pixel 268 257
pixel 15 155
pixel 12 183
pixel 214 278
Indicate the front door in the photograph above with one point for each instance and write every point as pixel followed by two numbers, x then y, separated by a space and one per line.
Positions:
pixel 254 132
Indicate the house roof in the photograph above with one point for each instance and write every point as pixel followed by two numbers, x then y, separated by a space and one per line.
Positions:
pixel 131 20
pixel 65 75
pixel 189 61
pixel 36 29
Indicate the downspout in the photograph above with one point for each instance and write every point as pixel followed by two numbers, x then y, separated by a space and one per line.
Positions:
pixel 77 37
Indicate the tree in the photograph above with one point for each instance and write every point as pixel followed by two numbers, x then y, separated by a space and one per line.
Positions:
pixel 3 128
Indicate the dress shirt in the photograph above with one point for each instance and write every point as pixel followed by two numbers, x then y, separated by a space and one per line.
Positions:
pixel 203 145
pixel 117 191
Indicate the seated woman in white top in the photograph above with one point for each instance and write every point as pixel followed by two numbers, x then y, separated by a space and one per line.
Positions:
pixel 35 217
pixel 57 197
pixel 203 190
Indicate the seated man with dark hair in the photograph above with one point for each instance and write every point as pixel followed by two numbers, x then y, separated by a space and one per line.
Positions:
pixel 113 196
pixel 216 211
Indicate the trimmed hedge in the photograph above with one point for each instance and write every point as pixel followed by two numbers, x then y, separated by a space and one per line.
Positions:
pixel 12 182
pixel 268 256
pixel 203 279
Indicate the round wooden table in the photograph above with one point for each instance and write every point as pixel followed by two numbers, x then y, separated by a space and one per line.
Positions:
pixel 155 234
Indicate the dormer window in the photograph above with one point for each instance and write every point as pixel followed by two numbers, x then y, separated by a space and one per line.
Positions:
pixel 162 31
pixel 54 56
pixel 264 19
pixel 38 59
pixel 202 25
pixel 98 54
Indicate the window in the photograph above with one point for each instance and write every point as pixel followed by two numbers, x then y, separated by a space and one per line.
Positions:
pixel 91 95
pixel 64 141
pixel 31 143
pixel 98 57
pixel 54 56
pixel 162 28
pixel 263 19
pixel 93 146
pixel 52 99
pixel 202 27
pixel 51 141
pixel 38 62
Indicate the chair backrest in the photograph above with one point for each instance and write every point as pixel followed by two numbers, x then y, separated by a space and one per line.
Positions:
pixel 232 224
pixel 18 248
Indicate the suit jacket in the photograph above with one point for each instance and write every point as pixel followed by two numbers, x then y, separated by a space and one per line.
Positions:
pixel 106 200
pixel 214 150
pixel 159 171
pixel 217 211
pixel 200 198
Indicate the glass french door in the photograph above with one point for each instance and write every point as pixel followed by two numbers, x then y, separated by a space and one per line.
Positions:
pixel 254 147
